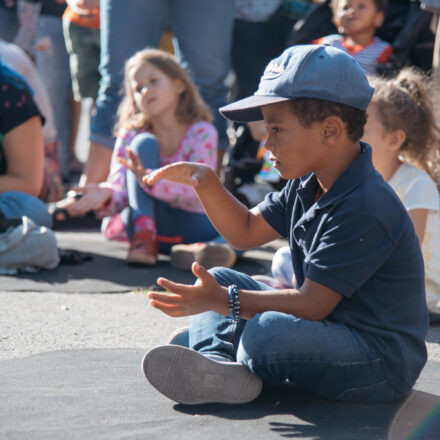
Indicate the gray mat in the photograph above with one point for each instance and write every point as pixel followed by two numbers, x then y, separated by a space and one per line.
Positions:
pixel 102 394
pixel 108 272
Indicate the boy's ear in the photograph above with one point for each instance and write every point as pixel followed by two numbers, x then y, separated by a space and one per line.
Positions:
pixel 396 140
pixel 332 128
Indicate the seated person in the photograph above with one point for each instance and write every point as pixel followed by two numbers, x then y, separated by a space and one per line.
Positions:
pixel 404 137
pixel 354 326
pixel 161 119
pixel 21 151
pixel 11 55
pixel 357 22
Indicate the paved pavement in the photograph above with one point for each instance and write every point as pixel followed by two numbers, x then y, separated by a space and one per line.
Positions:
pixel 35 322
pixel 52 387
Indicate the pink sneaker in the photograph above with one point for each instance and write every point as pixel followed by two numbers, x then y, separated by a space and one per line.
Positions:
pixel 143 249
pixel 114 229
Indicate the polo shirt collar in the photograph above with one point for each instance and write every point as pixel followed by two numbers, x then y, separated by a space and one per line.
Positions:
pixel 352 177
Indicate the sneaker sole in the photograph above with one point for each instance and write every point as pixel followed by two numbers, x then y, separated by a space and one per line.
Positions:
pixel 210 256
pixel 186 376
pixel 141 261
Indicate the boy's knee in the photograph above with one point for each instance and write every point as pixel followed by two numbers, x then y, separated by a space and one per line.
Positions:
pixel 254 338
pixel 223 275
pixel 261 335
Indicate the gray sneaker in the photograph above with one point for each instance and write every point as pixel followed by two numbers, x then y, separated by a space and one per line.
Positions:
pixel 188 377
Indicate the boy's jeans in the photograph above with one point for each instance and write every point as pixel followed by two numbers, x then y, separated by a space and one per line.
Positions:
pixel 325 358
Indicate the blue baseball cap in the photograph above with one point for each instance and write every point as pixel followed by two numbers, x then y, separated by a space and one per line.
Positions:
pixel 305 71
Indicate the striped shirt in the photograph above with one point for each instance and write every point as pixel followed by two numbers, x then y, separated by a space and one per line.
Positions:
pixel 368 57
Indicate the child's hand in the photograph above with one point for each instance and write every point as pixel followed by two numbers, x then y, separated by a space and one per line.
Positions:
pixel 185 300
pixel 134 164
pixel 93 197
pixel 188 173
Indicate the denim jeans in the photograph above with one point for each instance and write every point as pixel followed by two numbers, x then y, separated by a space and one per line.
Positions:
pixel 8 24
pixel 16 204
pixel 173 225
pixel 53 68
pixel 325 358
pixel 203 29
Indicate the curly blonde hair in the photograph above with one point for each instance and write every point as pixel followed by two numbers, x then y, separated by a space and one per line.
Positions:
pixel 406 103
pixel 190 108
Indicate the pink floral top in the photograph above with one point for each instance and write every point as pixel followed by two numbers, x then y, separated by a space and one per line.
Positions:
pixel 199 144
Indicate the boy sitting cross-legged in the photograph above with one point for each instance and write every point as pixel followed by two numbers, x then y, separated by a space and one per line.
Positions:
pixel 354 326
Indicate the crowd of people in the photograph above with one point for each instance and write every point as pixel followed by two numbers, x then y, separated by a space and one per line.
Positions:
pixel 158 148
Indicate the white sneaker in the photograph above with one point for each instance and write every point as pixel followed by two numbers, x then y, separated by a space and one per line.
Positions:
pixel 208 255
pixel 188 377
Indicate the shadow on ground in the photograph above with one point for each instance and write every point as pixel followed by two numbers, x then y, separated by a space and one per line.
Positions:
pixel 107 271
pixel 102 394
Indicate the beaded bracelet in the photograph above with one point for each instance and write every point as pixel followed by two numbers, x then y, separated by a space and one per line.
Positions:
pixel 234 302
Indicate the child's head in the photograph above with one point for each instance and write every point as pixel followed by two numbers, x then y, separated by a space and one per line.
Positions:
pixel 309 96
pixel 402 121
pixel 155 82
pixel 354 17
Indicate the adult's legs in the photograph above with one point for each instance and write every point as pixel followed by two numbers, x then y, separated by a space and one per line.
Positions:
pixel 328 359
pixel 53 68
pixel 8 24
pixel 17 204
pixel 141 25
pixel 204 30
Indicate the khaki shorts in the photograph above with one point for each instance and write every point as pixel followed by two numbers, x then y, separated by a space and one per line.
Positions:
pixel 83 46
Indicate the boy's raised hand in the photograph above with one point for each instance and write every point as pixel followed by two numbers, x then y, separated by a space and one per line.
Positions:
pixel 188 173
pixel 184 300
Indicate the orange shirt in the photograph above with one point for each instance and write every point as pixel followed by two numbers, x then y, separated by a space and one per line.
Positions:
pixel 90 20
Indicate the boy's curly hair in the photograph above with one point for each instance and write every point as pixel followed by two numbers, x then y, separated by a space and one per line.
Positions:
pixel 310 110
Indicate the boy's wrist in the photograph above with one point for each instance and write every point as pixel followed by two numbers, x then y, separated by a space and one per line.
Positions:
pixel 206 177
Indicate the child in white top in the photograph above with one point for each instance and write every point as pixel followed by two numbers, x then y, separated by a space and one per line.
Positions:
pixel 357 22
pixel 404 136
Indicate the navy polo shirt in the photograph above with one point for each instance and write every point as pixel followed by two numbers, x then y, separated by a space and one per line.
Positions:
pixel 358 240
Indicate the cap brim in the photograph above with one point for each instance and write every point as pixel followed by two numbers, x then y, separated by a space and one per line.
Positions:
pixel 249 109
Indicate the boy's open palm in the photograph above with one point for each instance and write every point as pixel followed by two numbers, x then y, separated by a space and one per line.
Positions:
pixel 184 300
pixel 188 173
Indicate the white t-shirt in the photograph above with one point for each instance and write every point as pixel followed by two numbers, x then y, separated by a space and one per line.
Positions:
pixel 418 191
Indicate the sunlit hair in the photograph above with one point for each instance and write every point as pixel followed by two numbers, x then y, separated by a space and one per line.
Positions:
pixel 381 6
pixel 190 108
pixel 406 103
